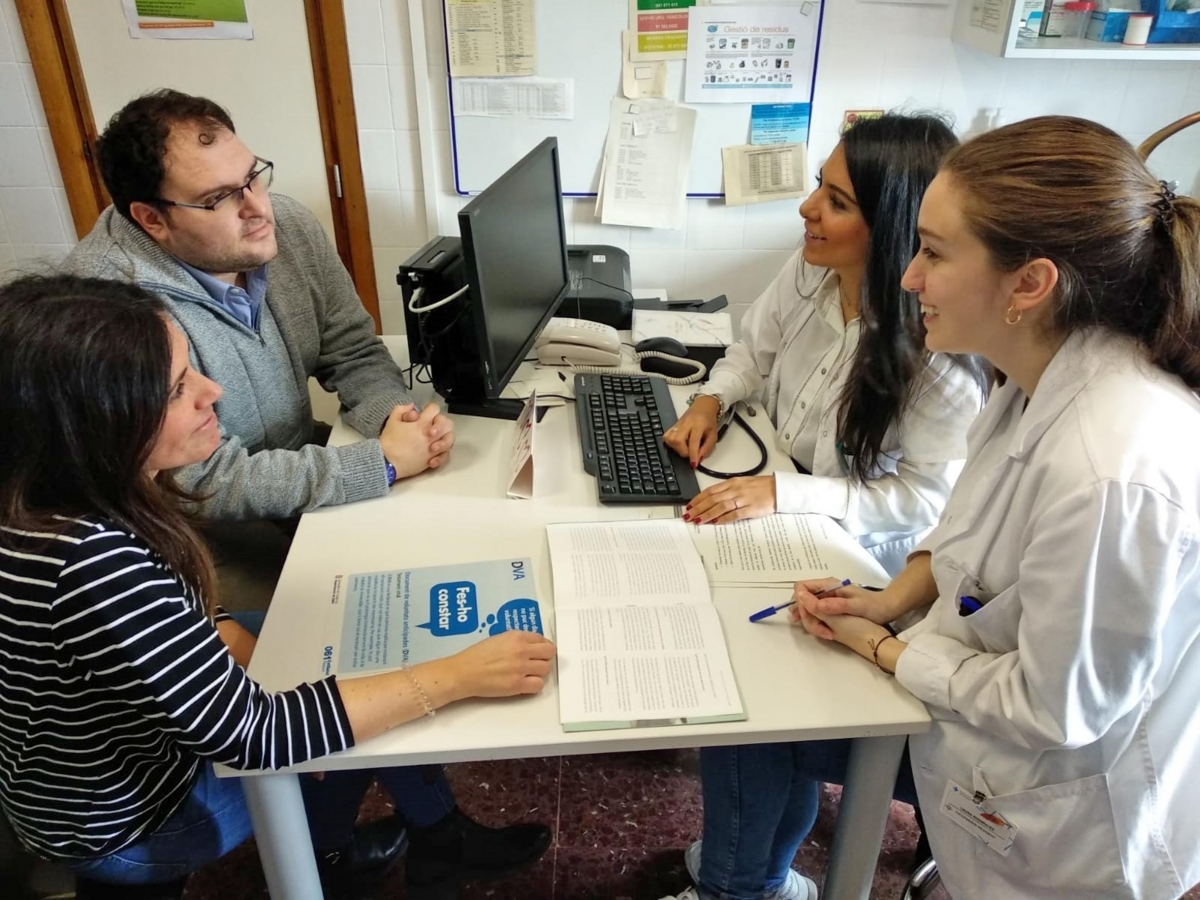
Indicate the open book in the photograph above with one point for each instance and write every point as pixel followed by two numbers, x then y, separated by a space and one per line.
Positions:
pixel 639 640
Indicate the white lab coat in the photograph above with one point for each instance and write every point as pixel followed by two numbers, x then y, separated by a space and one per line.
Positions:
pixel 795 352
pixel 1071 698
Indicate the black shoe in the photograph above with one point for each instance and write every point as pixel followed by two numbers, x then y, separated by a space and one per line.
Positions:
pixel 460 849
pixel 352 872
pixel 96 890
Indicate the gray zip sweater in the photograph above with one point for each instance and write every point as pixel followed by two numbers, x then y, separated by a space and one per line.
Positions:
pixel 312 324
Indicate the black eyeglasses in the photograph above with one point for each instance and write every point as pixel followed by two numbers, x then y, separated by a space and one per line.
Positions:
pixel 260 180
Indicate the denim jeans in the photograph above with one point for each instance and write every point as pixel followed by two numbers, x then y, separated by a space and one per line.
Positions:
pixel 214 818
pixel 760 803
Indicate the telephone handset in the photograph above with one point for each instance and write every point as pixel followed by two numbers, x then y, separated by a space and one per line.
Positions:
pixel 593 348
pixel 569 342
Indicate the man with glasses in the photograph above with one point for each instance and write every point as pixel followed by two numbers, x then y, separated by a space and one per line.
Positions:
pixel 265 302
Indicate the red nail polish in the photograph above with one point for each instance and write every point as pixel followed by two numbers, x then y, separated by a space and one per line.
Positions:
pixel 686 517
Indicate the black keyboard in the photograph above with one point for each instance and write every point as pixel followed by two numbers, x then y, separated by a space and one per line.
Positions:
pixel 621 422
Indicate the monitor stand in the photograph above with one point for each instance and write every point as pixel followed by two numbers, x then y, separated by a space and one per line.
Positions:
pixel 491 408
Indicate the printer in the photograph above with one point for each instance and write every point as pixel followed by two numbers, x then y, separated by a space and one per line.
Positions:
pixel 600 288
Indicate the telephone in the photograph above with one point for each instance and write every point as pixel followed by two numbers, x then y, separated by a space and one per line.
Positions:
pixel 593 348
pixel 572 342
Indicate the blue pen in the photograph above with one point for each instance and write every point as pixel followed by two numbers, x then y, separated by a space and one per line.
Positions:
pixel 771 610
pixel 968 605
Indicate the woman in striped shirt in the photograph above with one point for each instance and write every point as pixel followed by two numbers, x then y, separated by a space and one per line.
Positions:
pixel 122 684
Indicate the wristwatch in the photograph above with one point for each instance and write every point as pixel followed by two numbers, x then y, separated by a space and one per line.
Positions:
pixel 391 473
pixel 720 402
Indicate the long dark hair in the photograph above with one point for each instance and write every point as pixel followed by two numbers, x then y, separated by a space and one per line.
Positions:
pixel 85 371
pixel 1074 192
pixel 891 161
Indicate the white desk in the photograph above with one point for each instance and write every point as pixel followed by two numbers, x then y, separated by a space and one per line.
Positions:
pixel 793 687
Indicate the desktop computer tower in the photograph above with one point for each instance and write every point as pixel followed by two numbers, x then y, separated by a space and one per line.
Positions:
pixel 443 339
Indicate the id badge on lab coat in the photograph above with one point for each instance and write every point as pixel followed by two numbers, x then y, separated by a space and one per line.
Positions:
pixel 976 819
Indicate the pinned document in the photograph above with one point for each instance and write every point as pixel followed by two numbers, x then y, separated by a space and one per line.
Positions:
pixel 751 54
pixel 491 37
pixel 531 98
pixel 646 161
pixel 660 28
pixel 779 123
pixel 758 174
pixel 640 79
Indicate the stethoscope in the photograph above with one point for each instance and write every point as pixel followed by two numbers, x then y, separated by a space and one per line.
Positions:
pixel 762 451
pixel 762 448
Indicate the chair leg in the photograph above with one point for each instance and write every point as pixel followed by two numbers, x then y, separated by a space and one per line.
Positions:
pixel 922 881
pixel 923 852
pixel 86 889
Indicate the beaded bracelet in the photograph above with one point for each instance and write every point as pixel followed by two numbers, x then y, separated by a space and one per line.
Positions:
pixel 875 652
pixel 429 710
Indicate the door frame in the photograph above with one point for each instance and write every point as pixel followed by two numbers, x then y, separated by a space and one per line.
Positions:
pixel 59 74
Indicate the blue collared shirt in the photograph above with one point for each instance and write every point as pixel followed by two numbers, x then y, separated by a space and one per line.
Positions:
pixel 243 305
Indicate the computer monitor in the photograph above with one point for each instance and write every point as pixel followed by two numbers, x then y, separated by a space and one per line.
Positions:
pixel 514 271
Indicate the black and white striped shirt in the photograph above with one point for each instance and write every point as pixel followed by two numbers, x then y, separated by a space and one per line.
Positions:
pixel 113 685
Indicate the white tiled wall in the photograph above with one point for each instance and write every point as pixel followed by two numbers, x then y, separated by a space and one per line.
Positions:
pixel 872 56
pixel 35 222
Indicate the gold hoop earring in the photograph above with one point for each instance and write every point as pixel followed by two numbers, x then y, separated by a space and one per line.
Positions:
pixel 1008 319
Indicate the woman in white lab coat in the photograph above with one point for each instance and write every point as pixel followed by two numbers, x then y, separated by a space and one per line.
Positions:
pixel 835 349
pixel 1060 659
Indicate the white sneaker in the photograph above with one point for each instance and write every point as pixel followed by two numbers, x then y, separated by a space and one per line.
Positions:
pixel 689 894
pixel 794 887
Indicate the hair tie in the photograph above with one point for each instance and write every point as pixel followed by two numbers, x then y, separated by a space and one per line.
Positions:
pixel 1166 197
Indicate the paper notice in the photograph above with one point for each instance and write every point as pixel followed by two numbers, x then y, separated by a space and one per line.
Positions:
pixel 646 162
pixel 640 79
pixel 988 14
pixel 779 123
pixel 660 29
pixel 491 37
pixel 750 54
pixel 532 98
pixel 188 20
pixel 758 174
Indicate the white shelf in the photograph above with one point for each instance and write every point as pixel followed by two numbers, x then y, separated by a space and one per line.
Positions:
pixel 1073 48
pixel 997 33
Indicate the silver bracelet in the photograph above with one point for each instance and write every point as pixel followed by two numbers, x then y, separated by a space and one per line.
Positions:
pixel 429 710
pixel 720 402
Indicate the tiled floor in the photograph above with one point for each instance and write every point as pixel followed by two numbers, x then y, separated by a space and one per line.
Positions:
pixel 621 824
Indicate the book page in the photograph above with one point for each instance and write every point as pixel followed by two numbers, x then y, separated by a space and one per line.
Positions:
pixel 623 563
pixel 783 548
pixel 633 663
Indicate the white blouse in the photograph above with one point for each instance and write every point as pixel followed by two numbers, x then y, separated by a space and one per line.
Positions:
pixel 795 353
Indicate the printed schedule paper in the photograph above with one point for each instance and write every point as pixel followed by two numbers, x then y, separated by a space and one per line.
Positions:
pixel 758 174
pixel 639 640
pixel 491 37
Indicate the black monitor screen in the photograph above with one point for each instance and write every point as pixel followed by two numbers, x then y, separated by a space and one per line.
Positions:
pixel 515 249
